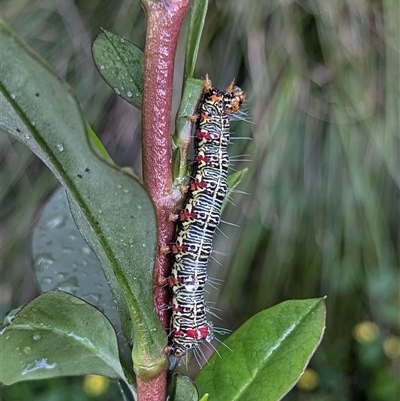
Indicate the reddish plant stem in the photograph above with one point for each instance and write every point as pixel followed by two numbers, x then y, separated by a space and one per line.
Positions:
pixel 153 390
pixel 164 21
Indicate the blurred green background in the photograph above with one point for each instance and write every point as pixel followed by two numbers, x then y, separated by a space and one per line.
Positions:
pixel 322 214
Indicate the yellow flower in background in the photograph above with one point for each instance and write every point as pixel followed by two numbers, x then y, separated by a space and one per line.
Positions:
pixel 365 332
pixel 309 380
pixel 94 385
pixel 391 347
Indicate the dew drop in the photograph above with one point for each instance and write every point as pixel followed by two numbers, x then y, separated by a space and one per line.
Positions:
pixel 56 221
pixel 69 285
pixel 27 137
pixel 116 90
pixel 36 336
pixel 129 94
pixel 27 350
pixel 140 207
pixel 60 147
pixel 102 67
pixel 118 58
pixel 122 40
pixel 43 262
pixel 66 250
pixel 13 96
pixel 47 280
pixel 33 123
pixel 85 250
pixel 93 297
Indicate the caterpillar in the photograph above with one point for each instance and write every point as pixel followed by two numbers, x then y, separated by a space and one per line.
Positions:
pixel 200 217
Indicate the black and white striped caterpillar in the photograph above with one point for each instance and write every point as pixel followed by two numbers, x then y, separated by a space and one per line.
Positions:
pixel 200 217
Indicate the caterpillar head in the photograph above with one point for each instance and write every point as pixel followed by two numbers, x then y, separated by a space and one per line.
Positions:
pixel 233 100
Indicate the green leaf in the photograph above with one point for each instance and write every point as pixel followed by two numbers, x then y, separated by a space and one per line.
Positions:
pixel 182 138
pixel 63 260
pixel 97 146
pixel 120 63
pixel 266 355
pixel 181 388
pixel 197 19
pixel 58 335
pixel 112 210
pixel 233 181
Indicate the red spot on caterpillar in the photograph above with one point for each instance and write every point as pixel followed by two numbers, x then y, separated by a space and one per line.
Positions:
pixel 178 248
pixel 206 135
pixel 200 334
pixel 198 185
pixel 200 159
pixel 173 281
pixel 184 215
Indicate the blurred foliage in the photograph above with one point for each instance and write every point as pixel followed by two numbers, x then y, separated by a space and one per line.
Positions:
pixel 322 80
pixel 63 389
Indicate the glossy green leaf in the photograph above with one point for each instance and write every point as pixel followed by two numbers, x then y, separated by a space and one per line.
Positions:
pixel 181 388
pixel 192 91
pixel 112 210
pixel 182 138
pixel 63 260
pixel 120 63
pixel 197 19
pixel 58 335
pixel 266 355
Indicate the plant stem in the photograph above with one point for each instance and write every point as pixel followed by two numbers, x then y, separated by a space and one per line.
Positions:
pixel 164 21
